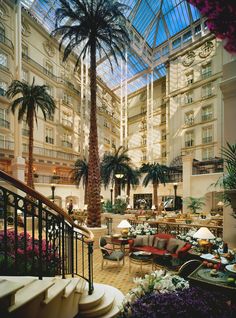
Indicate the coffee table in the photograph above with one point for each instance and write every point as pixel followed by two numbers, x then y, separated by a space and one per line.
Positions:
pixel 140 259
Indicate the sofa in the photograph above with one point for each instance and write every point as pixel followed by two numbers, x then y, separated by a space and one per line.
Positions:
pixel 160 244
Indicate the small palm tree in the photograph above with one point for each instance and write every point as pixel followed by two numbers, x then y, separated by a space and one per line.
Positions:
pixel 155 174
pixel 31 99
pixel 194 204
pixel 112 164
pixel 80 173
pixel 96 27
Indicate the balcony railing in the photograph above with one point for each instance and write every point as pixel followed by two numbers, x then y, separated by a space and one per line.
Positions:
pixel 7 144
pixel 189 121
pixel 214 165
pixel 66 144
pixel 44 152
pixel 49 140
pixel 207 140
pixel 4 123
pixel 206 117
pixel 6 41
pixel 206 74
pixel 189 143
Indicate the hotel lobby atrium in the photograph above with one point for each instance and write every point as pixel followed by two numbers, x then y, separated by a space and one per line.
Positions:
pixel 124 163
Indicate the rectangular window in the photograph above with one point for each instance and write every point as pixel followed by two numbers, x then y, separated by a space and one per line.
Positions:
pixel 187 36
pixel 49 136
pixel 206 71
pixel 165 50
pixel 207 113
pixel 197 29
pixel 206 90
pixel 207 153
pixel 189 139
pixel 207 135
pixel 3 60
pixel 66 141
pixel 49 69
pixel 188 97
pixel 4 121
pixel 25 75
pixel 189 118
pixel 189 78
pixel 176 43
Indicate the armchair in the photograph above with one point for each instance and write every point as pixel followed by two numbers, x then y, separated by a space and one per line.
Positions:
pixel 108 254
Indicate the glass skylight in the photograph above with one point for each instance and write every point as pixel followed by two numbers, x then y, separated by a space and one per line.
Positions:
pixel 153 21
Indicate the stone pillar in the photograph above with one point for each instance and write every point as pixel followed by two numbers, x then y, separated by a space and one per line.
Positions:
pixel 18 163
pixel 187 173
pixel 228 88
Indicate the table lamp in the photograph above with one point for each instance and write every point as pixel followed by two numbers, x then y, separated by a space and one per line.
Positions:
pixel 204 235
pixel 124 225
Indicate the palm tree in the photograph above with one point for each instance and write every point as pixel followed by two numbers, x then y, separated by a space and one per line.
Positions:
pixel 80 173
pixel 112 164
pixel 132 179
pixel 33 98
pixel 156 174
pixel 95 27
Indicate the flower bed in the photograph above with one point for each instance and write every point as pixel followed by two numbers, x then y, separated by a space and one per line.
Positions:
pixel 24 260
pixel 141 229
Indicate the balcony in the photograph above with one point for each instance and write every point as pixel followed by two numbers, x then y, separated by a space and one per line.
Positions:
pixel 189 143
pixel 190 81
pixel 6 144
pixel 49 140
pixel 207 140
pixel 189 121
pixel 6 41
pixel 189 100
pixel 207 117
pixel 39 67
pixel 66 143
pixel 206 95
pixel 4 123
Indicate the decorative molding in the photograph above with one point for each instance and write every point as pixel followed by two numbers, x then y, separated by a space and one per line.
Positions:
pixel 25 28
pixel 206 49
pixel 49 49
pixel 188 59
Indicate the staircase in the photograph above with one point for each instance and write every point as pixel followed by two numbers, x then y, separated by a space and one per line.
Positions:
pixel 29 297
pixel 46 242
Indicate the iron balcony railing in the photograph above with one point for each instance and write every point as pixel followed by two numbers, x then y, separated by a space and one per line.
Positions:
pixel 206 117
pixel 38 238
pixel 214 165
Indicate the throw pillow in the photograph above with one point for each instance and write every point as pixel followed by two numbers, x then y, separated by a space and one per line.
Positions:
pixel 145 240
pixel 180 245
pixel 138 241
pixel 172 245
pixel 151 240
pixel 109 248
pixel 160 243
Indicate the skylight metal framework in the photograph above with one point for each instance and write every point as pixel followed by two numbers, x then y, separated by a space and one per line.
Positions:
pixel 154 26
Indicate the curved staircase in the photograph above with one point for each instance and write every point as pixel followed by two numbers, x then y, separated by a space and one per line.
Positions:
pixel 47 243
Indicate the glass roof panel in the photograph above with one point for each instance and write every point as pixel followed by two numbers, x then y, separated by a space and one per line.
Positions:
pixel 156 21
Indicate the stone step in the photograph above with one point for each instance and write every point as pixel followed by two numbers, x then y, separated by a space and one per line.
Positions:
pixel 8 290
pixel 58 287
pixel 119 297
pixel 90 301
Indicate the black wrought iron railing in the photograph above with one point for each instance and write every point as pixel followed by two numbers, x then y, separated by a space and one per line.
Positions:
pixel 38 238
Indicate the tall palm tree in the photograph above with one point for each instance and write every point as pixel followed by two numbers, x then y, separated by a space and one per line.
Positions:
pixel 80 173
pixel 155 174
pixel 31 99
pixel 96 27
pixel 112 164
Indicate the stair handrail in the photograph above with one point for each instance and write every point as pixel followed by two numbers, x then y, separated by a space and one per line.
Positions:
pixel 35 194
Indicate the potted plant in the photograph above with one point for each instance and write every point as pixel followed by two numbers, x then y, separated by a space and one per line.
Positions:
pixel 194 204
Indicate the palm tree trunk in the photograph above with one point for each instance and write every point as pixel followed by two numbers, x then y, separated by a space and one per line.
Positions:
pixel 155 196
pixel 86 193
pixel 94 183
pixel 30 181
pixel 128 191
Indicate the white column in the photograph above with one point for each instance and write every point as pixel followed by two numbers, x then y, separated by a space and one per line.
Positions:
pixel 121 103
pixel 229 95
pixel 18 163
pixel 187 174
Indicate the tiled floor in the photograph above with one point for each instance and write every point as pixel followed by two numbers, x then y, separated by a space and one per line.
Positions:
pixel 113 275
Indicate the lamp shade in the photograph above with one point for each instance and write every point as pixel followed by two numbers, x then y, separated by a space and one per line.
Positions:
pixel 204 234
pixel 124 224
pixel 153 207
pixel 128 206
pixel 220 204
